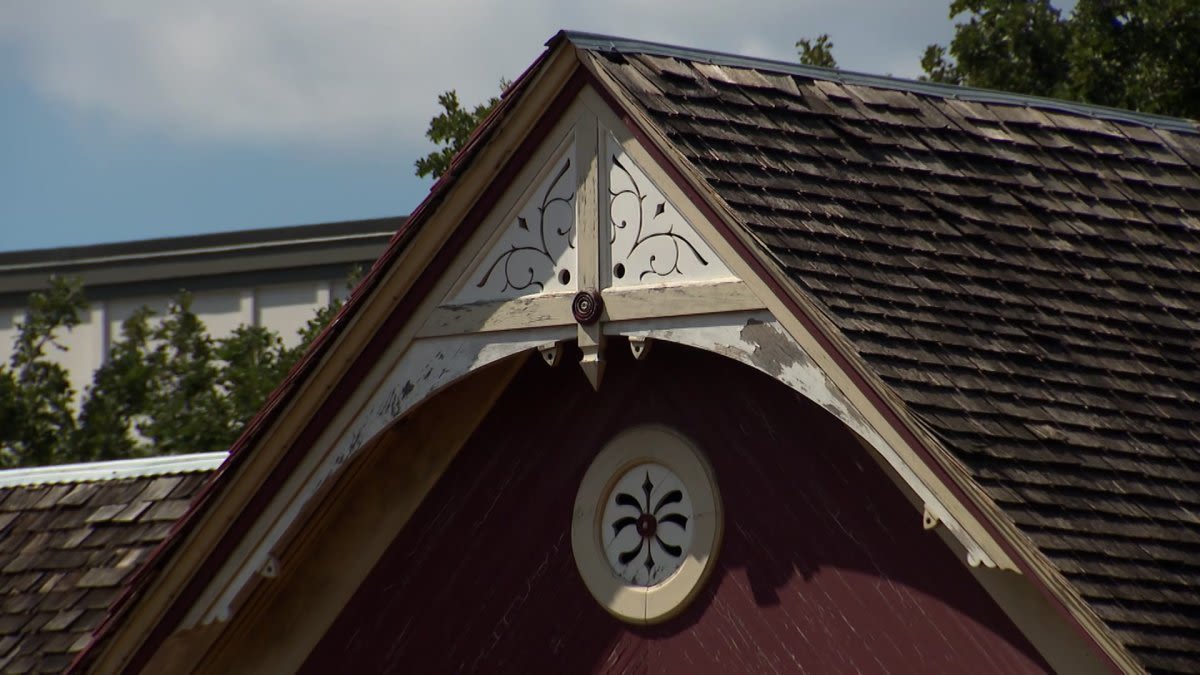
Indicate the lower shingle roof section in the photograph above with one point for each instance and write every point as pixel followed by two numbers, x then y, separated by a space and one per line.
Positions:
pixel 1025 277
pixel 70 538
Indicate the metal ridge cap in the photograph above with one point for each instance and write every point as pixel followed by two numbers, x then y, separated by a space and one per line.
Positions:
pixel 603 43
pixel 112 469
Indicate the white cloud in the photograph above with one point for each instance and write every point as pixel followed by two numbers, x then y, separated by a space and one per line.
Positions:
pixel 359 74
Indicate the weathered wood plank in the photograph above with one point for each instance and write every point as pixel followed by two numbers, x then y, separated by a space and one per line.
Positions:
pixel 623 304
pixel 554 309
pixel 534 311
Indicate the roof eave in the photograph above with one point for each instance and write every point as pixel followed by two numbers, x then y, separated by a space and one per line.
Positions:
pixel 117 646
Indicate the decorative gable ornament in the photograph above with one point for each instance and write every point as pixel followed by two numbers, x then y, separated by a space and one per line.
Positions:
pixel 647 524
pixel 535 253
pixel 649 240
pixel 562 252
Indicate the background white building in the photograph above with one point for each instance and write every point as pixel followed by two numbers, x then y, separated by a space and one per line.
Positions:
pixel 271 277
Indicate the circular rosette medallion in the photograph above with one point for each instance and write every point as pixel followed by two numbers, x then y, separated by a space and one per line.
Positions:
pixel 647 524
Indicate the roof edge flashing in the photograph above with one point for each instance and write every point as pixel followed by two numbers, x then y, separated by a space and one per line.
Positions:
pixel 201 244
pixel 111 470
pixel 192 253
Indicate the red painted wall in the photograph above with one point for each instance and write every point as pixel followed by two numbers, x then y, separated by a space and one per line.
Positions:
pixel 824 566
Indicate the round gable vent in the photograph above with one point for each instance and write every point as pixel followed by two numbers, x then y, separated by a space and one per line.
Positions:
pixel 647 524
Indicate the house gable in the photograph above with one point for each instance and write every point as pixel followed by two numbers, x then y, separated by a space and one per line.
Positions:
pixel 821 562
pixel 506 319
pixel 635 256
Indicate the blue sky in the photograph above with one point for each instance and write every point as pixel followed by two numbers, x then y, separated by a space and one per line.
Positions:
pixel 71 179
pixel 131 120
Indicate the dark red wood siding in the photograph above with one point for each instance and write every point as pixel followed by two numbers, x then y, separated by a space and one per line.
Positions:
pixel 824 566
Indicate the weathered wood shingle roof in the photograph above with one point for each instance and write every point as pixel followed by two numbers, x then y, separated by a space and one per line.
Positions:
pixel 71 538
pixel 1024 273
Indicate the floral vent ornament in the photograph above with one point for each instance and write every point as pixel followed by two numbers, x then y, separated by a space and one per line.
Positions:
pixel 647 524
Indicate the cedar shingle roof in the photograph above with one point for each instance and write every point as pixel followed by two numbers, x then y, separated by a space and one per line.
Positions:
pixel 70 539
pixel 1024 273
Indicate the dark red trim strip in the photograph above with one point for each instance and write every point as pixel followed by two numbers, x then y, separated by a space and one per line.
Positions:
pixel 751 257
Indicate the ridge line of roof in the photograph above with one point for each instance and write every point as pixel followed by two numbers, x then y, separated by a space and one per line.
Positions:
pixel 111 470
pixel 607 43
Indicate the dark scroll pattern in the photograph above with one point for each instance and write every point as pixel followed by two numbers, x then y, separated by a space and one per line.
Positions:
pixel 517 263
pixel 665 245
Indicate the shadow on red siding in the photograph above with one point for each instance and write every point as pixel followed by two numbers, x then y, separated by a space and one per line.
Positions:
pixel 825 567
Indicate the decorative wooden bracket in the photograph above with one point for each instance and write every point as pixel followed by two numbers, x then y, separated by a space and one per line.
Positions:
pixel 551 353
pixel 592 362
pixel 640 346
pixel 270 567
pixel 930 519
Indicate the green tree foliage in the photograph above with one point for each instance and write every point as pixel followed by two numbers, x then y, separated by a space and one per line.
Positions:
pixel 1012 45
pixel 255 361
pixel 450 129
pixel 938 66
pixel 166 386
pixel 321 319
pixel 1135 54
pixel 119 396
pixel 36 417
pixel 186 412
pixel 818 52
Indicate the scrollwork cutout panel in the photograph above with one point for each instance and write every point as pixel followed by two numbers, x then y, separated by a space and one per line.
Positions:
pixel 536 253
pixel 650 241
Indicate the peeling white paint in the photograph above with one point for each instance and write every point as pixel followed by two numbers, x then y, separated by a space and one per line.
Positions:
pixel 428 366
pixel 758 340
pixel 753 338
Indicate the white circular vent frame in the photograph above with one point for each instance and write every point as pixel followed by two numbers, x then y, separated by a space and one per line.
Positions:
pixel 647 524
